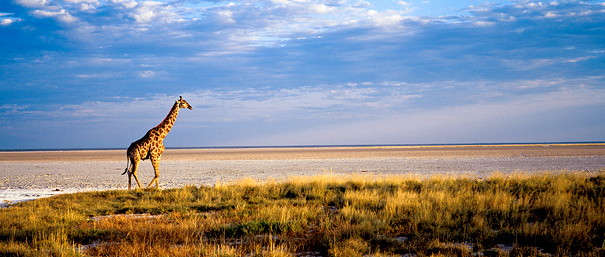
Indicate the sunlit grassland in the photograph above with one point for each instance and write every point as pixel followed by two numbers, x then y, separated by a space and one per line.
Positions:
pixel 557 213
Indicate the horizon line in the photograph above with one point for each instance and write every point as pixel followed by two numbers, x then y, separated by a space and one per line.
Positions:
pixel 305 146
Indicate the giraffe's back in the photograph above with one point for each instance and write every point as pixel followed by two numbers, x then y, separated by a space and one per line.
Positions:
pixel 146 147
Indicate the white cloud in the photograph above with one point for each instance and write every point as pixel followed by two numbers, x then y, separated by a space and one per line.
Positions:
pixel 8 21
pixel 33 3
pixel 126 3
pixel 13 107
pixel 95 76
pixel 225 17
pixel 386 18
pixel 146 11
pixel 85 5
pixel 484 23
pixel 46 9
pixel 147 74
pixel 580 59
pixel 95 2
pixel 321 8
pixel 404 3
pixel 61 15
pixel 538 63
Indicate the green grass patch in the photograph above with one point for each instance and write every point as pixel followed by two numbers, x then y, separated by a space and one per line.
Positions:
pixel 557 214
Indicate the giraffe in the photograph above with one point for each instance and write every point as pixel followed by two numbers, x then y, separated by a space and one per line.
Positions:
pixel 151 146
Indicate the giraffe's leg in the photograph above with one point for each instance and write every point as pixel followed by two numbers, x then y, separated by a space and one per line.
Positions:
pixel 129 179
pixel 155 161
pixel 135 168
pixel 129 172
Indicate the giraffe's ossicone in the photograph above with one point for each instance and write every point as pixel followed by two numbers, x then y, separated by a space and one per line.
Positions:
pixel 151 146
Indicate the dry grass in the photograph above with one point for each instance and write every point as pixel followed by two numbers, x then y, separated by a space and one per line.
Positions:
pixel 560 214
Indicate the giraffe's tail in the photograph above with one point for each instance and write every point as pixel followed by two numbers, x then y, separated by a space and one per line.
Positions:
pixel 127 166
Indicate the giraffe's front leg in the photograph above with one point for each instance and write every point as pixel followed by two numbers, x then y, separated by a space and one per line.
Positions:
pixel 155 161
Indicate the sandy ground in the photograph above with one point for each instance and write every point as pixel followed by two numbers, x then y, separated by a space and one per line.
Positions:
pixel 30 175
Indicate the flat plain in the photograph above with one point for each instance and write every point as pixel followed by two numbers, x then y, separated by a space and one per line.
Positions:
pixel 33 174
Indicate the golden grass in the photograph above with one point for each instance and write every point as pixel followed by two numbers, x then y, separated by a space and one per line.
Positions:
pixel 558 213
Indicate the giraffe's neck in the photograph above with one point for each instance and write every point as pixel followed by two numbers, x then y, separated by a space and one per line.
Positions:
pixel 166 125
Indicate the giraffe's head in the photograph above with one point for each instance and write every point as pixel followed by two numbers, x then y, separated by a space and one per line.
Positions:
pixel 183 104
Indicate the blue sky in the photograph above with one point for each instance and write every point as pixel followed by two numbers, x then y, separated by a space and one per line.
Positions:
pixel 100 73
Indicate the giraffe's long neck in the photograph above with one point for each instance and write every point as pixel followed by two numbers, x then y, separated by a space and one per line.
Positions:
pixel 166 125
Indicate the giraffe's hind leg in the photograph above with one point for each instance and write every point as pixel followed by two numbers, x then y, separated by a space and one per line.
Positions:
pixel 133 173
pixel 155 161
